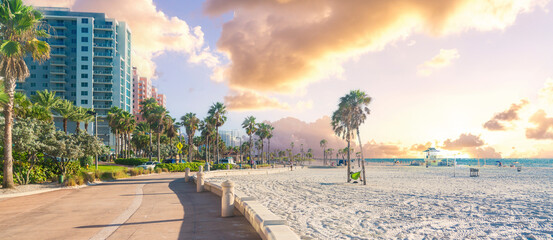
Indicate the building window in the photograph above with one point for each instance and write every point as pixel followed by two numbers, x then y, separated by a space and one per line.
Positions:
pixel 33 67
pixel 84 75
pixel 73 40
pixel 84 30
pixel 73 50
pixel 33 84
pixel 33 93
pixel 84 67
pixel 84 39
pixel 84 20
pixel 45 84
pixel 45 76
pixel 73 68
pixel 84 48
pixel 44 67
pixel 84 84
pixel 84 93
pixel 73 85
pixel 73 31
pixel 73 77
pixel 84 58
pixel 73 94
pixel 84 101
pixel 33 75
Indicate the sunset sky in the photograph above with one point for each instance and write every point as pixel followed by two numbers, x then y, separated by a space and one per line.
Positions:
pixel 464 75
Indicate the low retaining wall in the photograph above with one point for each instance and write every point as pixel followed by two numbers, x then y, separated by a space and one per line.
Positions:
pixel 267 224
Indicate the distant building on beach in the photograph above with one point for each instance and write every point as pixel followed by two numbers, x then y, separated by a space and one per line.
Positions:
pixel 434 157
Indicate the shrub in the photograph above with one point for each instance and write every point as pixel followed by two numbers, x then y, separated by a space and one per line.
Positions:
pixel 165 170
pixel 158 170
pixel 86 160
pixel 147 171
pixel 119 174
pixel 180 167
pixel 135 171
pixel 221 166
pixel 70 182
pixel 88 176
pixel 131 161
pixel 98 174
pixel 79 179
pixel 106 176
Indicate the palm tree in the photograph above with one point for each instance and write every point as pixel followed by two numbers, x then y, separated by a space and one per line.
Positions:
pixel 19 32
pixel 79 114
pixel 291 151
pixel 190 123
pixel 114 116
pixel 207 129
pixel 218 113
pixel 330 150
pixel 171 132
pixel 46 99
pixel 356 103
pixel 147 106
pixel 269 130
pixel 351 113
pixel 249 125
pixel 88 118
pixel 65 109
pixel 143 128
pixel 262 132
pixel 127 123
pixel 323 145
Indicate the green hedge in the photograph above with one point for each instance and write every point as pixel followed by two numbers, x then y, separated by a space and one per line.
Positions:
pixel 180 167
pixel 131 161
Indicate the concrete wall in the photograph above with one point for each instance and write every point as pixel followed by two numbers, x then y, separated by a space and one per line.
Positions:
pixel 267 224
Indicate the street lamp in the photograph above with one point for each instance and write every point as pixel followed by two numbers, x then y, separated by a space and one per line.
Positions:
pixel 95 130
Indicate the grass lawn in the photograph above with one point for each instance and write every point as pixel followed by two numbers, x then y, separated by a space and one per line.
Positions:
pixel 108 168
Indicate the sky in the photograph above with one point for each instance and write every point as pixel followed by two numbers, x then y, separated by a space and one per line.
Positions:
pixel 472 77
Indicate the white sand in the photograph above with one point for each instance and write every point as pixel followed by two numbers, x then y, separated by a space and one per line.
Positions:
pixel 409 202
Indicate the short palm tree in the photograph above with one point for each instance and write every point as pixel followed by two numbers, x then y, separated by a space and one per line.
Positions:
pixel 249 125
pixel 46 99
pixel 79 114
pixel 65 109
pixel 191 124
pixel 19 33
pixel 218 112
pixel 88 118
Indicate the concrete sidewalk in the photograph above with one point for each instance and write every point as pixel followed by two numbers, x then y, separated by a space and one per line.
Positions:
pixel 147 207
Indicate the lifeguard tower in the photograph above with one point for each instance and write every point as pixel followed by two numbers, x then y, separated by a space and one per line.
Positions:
pixel 433 157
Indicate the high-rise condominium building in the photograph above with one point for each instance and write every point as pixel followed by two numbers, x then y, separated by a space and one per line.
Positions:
pixel 142 89
pixel 90 64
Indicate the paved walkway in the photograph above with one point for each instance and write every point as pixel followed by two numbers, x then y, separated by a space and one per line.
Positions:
pixel 148 207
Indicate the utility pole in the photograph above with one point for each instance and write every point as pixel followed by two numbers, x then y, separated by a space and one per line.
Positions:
pixel 95 131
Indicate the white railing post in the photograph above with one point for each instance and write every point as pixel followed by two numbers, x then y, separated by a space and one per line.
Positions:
pixel 186 174
pixel 227 199
pixel 200 181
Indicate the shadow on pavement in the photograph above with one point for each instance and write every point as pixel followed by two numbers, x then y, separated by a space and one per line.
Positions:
pixel 124 224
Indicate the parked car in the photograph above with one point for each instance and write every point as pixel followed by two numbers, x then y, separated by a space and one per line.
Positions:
pixel 170 161
pixel 148 165
pixel 227 160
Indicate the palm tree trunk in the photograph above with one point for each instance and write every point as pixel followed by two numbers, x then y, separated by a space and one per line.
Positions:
pixel 348 162
pixel 217 142
pixel 64 124
pixel 86 126
pixel 8 120
pixel 269 149
pixel 362 158
pixel 158 149
pixel 189 149
pixel 150 152
pixel 78 128
pixel 251 159
pixel 207 149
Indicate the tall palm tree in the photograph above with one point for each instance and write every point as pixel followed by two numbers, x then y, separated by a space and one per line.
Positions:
pixel 157 118
pixel 323 145
pixel 127 123
pixel 19 33
pixel 190 123
pixel 65 109
pixel 342 126
pixel 171 132
pixel 218 112
pixel 249 125
pixel 207 129
pixel 147 106
pixel 143 128
pixel 356 102
pixel 330 150
pixel 270 130
pixel 114 116
pixel 88 118
pixel 262 132
pixel 291 151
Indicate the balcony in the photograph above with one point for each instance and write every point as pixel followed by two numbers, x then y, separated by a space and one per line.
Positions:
pixel 103 98
pixel 57 80
pixel 58 36
pixel 104 36
pixel 58 26
pixel 102 106
pixel 97 89
pixel 57 63
pixel 103 27
pixel 106 73
pixel 58 89
pixel 57 44
pixel 101 54
pixel 103 64
pixel 57 53
pixel 103 45
pixel 58 71
pixel 103 81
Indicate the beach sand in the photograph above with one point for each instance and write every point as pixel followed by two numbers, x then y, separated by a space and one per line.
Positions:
pixel 409 202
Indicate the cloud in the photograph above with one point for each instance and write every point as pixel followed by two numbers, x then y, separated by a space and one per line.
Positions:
pixel 420 147
pixel 544 126
pixel 465 140
pixel 282 45
pixel 372 149
pixel 483 152
pixel 547 91
pixel 497 123
pixel 153 32
pixel 245 101
pixel 309 134
pixel 443 59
